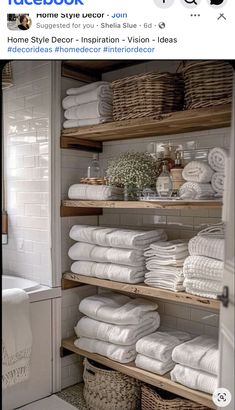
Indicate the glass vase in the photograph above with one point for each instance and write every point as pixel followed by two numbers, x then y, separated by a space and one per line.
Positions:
pixel 131 192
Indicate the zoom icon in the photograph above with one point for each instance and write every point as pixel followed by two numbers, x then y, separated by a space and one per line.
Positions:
pixel 163 4
pixel 222 397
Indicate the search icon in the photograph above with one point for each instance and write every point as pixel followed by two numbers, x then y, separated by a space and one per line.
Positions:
pixel 190 3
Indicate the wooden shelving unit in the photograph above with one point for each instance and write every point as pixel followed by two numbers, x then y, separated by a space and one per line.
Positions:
pixel 164 382
pixel 139 289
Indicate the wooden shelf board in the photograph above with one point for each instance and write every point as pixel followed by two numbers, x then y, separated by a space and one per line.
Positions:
pixel 163 382
pixel 81 144
pixel 140 289
pixel 66 211
pixel 174 123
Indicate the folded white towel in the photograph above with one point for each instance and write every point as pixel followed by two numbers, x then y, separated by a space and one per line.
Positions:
pixel 116 309
pixel 195 190
pixel 168 277
pixel 217 183
pixel 170 284
pixel 85 89
pixel 159 345
pixel 194 379
pixel 95 192
pixel 109 271
pixel 215 231
pixel 120 335
pixel 121 354
pixel 197 171
pixel 103 92
pixel 201 353
pixel 217 158
pixel 116 238
pixel 94 253
pixel 16 337
pixel 201 267
pixel 153 366
pixel 207 246
pixel 166 253
pixel 91 110
pixel 85 122
pixel 205 288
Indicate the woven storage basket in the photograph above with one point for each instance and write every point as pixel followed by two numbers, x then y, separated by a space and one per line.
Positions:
pixel 106 389
pixel 7 76
pixel 157 399
pixel 94 181
pixel 207 83
pixel 147 95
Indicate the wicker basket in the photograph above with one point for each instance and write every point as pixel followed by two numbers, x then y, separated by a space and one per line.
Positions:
pixel 94 181
pixel 147 95
pixel 207 83
pixel 153 398
pixel 7 76
pixel 106 389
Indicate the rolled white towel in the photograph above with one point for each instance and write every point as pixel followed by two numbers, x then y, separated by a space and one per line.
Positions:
pixel 195 190
pixel 103 92
pixel 87 121
pixel 217 183
pixel 197 171
pixel 201 267
pixel 95 192
pixel 207 246
pixel 90 110
pixel 153 366
pixel 85 89
pixel 194 379
pixel 217 158
pixel 205 288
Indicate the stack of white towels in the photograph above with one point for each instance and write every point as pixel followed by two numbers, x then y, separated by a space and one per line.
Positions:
pixel 155 350
pixel 203 269
pixel 95 192
pixel 113 323
pixel 218 158
pixel 198 364
pixel 88 105
pixel 111 253
pixel 164 262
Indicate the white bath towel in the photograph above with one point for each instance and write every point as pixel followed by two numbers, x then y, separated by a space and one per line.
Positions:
pixel 201 267
pixel 116 309
pixel 217 158
pixel 109 271
pixel 168 277
pixel 217 183
pixel 87 121
pixel 194 379
pixel 195 190
pixel 101 93
pixel 116 238
pixel 153 366
pixel 215 231
pixel 197 171
pixel 159 345
pixel 200 353
pixel 207 246
pixel 95 192
pixel 94 253
pixel 85 89
pixel 16 337
pixel 120 335
pixel 91 110
pixel 166 253
pixel 121 354
pixel 205 288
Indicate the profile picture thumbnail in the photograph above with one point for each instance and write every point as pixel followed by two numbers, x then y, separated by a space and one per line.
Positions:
pixel 18 22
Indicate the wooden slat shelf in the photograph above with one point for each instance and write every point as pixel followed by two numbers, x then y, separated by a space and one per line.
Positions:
pixel 140 289
pixel 174 123
pixel 163 382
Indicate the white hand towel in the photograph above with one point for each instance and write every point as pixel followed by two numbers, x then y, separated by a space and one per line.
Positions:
pixel 215 230
pixel 87 121
pixel 121 354
pixel 197 171
pixel 116 238
pixel 166 253
pixel 201 267
pixel 116 309
pixel 95 192
pixel 201 353
pixel 159 345
pixel 207 246
pixel 102 93
pixel 205 288
pixel 153 366
pixel 167 277
pixel 90 110
pixel 217 158
pixel 217 183
pixel 196 190
pixel 194 379
pixel 88 252
pixel 85 89
pixel 109 271
pixel 120 335
pixel 16 337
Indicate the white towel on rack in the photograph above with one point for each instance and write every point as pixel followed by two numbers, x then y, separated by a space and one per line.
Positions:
pixel 116 238
pixel 94 253
pixel 109 271
pixel 16 337
pixel 95 192
pixel 159 345
pixel 207 246
pixel 153 365
pixel 205 288
pixel 121 354
pixel 87 121
pixel 117 334
pixel 101 93
pixel 196 190
pixel 90 110
pixel 116 309
pixel 217 158
pixel 215 231
pixel 86 89
pixel 194 379
pixel 197 171
pixel 166 253
pixel 217 183
pixel 201 267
